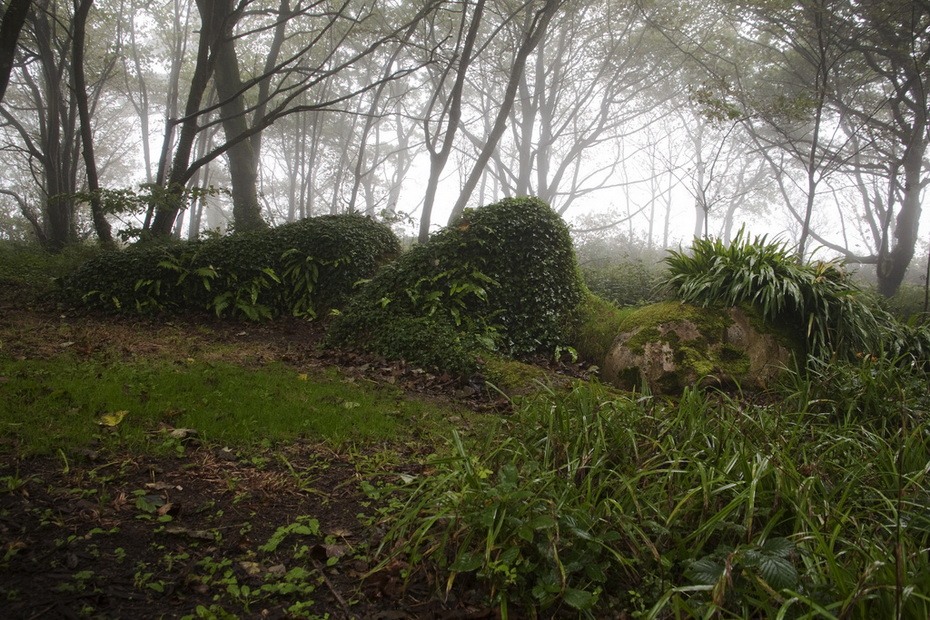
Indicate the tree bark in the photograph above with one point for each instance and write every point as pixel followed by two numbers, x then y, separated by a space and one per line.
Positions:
pixel 101 225
pixel 10 26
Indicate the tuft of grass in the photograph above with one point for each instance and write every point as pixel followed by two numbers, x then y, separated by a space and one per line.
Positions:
pixel 61 403
pixel 819 300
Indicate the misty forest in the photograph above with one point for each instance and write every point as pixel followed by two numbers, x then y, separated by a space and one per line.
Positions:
pixel 464 309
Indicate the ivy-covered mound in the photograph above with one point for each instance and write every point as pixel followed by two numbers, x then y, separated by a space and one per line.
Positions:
pixel 500 277
pixel 297 269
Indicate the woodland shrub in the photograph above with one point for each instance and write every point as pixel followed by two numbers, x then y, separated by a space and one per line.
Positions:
pixel 500 277
pixel 818 300
pixel 296 269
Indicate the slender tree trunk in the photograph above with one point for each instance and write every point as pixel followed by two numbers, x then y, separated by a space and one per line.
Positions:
pixel 893 262
pixel 101 225
pixel 172 201
pixel 439 157
pixel 243 166
pixel 534 34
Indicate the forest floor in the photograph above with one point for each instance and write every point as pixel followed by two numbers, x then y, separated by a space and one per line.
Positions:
pixel 190 528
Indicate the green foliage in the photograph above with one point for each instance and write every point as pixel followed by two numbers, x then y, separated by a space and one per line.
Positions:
pixel 596 325
pixel 500 277
pixel 706 507
pixel 295 269
pixel 28 270
pixel 129 202
pixel 818 300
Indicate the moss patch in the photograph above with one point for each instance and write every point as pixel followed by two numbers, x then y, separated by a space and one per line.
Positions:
pixel 597 323
pixel 675 345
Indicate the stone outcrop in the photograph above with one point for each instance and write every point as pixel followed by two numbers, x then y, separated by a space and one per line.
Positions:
pixel 669 346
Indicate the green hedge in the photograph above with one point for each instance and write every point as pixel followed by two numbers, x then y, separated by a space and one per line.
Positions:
pixel 503 276
pixel 299 268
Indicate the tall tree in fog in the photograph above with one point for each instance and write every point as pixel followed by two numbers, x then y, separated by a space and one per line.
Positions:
pixel 893 39
pixel 593 77
pixel 48 119
pixel 535 24
pixel 444 109
pixel 328 43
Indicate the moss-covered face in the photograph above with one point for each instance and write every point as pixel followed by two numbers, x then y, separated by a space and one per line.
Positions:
pixel 501 277
pixel 672 345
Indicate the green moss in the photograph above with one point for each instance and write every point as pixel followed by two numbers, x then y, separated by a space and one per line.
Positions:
pixel 704 355
pixel 596 327
pixel 513 377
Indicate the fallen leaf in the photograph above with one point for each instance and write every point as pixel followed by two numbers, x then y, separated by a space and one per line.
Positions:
pixel 182 433
pixel 251 568
pixel 112 419
pixel 162 486
pixel 302 376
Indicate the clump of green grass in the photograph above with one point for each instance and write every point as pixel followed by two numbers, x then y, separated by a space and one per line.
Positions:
pixel 59 403
pixel 817 299
pixel 604 506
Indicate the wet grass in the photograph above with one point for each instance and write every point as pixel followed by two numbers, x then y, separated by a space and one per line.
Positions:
pixel 68 403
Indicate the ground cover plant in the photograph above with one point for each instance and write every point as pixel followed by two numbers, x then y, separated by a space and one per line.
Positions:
pixel 599 505
pixel 297 269
pixel 499 278
pixel 205 468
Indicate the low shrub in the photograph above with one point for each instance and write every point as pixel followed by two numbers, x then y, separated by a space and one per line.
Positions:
pixel 296 269
pixel 500 277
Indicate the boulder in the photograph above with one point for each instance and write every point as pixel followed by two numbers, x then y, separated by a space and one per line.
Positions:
pixel 672 345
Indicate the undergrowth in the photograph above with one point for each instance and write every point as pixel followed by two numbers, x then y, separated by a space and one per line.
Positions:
pixel 706 507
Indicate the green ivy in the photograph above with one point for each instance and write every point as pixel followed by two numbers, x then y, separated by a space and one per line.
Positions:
pixel 295 269
pixel 500 277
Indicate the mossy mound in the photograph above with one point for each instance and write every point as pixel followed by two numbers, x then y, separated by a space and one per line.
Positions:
pixel 499 278
pixel 670 345
pixel 299 268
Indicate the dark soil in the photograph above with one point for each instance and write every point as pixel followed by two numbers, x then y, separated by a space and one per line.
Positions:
pixel 207 532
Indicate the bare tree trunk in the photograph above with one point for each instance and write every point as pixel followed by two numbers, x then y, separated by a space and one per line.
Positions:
pixel 101 225
pixel 439 157
pixel 533 34
pixel 12 22
pixel 167 211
